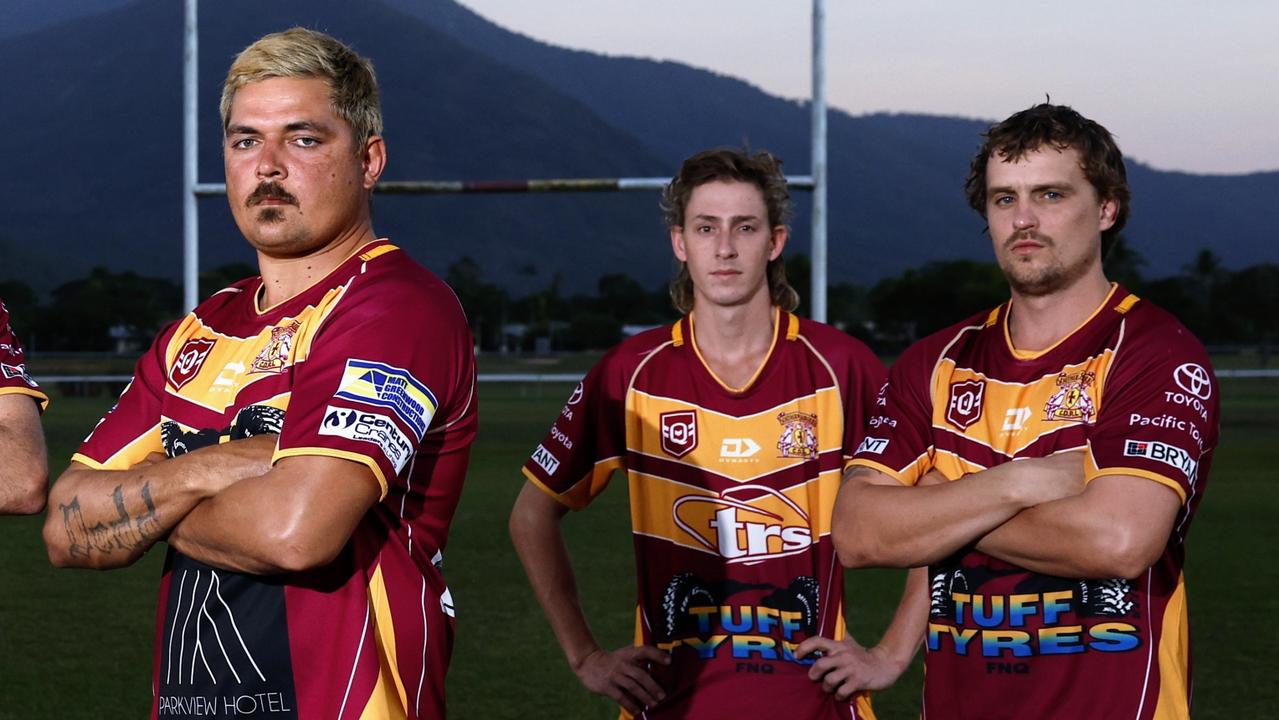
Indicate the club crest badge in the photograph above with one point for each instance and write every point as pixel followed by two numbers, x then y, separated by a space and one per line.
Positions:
pixel 799 435
pixel 1072 402
pixel 965 404
pixel 189 360
pixel 679 432
pixel 275 356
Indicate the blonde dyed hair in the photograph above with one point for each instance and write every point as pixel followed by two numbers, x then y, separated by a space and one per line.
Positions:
pixel 302 53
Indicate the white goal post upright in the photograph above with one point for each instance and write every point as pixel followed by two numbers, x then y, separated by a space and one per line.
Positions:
pixel 194 189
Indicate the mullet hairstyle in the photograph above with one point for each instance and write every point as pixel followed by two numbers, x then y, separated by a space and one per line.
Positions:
pixel 302 53
pixel 1058 127
pixel 762 170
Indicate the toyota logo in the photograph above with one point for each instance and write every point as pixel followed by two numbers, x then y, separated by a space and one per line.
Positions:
pixel 1194 379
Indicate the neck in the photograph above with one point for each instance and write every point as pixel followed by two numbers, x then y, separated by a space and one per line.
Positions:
pixel 734 341
pixel 1037 322
pixel 285 277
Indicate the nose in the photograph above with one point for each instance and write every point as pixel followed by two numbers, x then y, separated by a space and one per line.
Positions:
pixel 1024 217
pixel 269 164
pixel 725 248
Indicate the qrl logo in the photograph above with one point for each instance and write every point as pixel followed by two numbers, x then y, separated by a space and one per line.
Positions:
pixel 189 360
pixel 746 524
pixel 964 407
pixel 679 432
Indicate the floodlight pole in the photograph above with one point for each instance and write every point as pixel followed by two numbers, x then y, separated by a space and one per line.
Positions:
pixel 190 158
pixel 818 285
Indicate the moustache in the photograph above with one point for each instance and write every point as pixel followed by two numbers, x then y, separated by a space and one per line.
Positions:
pixel 1019 235
pixel 269 191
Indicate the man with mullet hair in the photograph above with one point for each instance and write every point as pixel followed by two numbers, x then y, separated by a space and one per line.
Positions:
pixel 733 426
pixel 300 438
pixel 1056 585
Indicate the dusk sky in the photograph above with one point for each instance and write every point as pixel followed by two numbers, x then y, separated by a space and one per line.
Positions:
pixel 1183 84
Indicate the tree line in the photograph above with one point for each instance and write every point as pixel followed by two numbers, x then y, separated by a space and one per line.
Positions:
pixel 109 310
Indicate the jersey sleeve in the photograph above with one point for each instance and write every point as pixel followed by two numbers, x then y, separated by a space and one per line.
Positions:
pixel 14 379
pixel 390 371
pixel 898 440
pixel 587 441
pixel 864 377
pixel 1160 411
pixel 130 431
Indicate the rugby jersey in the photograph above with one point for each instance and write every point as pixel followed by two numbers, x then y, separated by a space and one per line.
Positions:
pixel 14 379
pixel 373 364
pixel 1133 389
pixel 731 493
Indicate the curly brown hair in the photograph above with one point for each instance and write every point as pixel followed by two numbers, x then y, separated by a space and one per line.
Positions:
pixel 1061 127
pixel 761 169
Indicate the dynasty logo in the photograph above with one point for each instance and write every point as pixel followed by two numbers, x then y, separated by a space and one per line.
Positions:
pixel 745 524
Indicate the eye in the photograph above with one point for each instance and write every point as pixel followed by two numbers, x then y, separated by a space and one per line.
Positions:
pixel 306 141
pixel 1052 195
pixel 747 228
pixel 705 229
pixel 243 143
pixel 1003 200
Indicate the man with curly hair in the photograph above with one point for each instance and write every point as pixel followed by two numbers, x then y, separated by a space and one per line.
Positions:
pixel 1056 580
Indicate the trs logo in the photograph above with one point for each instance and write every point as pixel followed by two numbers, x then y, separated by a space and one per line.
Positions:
pixel 763 526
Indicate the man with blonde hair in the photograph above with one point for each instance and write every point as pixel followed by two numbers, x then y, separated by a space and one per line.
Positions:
pixel 300 438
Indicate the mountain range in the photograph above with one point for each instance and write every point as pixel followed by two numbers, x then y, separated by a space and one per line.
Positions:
pixel 93 131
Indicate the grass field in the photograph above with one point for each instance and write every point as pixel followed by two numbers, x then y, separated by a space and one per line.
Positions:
pixel 76 644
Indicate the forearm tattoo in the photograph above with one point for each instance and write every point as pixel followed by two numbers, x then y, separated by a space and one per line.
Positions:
pixel 124 532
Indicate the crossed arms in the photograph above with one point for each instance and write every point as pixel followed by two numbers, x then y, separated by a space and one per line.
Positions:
pixel 1035 513
pixel 224 505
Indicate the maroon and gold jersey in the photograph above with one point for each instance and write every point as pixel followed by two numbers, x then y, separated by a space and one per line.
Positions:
pixel 1134 390
pixel 14 379
pixel 731 492
pixel 373 364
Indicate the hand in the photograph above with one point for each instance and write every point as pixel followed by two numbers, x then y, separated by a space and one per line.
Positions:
pixel 623 676
pixel 230 462
pixel 1055 477
pixel 846 667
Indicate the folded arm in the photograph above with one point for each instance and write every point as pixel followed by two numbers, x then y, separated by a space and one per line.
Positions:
pixel 1117 527
pixel 296 516
pixel 24 465
pixel 880 522
pixel 110 518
